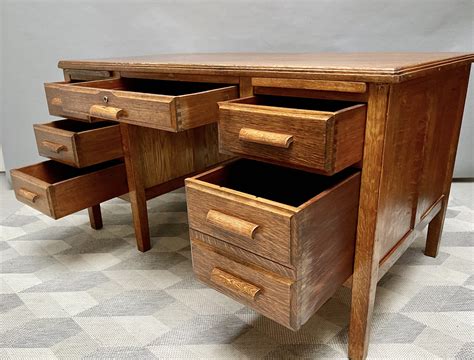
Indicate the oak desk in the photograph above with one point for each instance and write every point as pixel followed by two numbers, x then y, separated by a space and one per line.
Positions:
pixel 349 157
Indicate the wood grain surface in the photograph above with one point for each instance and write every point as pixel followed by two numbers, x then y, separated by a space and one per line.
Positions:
pixel 233 283
pixel 274 297
pixel 405 145
pixel 318 242
pixel 62 190
pixel 324 234
pixel 361 66
pixel 319 135
pixel 272 238
pixel 79 144
pixel 246 257
pixel 366 261
pixel 411 139
pixel 159 104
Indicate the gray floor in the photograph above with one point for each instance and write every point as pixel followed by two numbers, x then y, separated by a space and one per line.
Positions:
pixel 69 292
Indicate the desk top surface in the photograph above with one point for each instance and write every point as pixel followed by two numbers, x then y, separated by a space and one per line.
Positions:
pixel 359 66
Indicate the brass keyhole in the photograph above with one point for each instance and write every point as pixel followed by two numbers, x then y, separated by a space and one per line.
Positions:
pixel 106 99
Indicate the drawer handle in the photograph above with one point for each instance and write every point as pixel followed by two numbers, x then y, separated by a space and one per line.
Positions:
pixel 56 101
pixel 233 283
pixel 232 224
pixel 28 195
pixel 265 137
pixel 54 147
pixel 105 112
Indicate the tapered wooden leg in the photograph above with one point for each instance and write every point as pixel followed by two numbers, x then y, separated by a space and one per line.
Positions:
pixel 366 261
pixel 364 284
pixel 140 218
pixel 95 217
pixel 136 190
pixel 435 230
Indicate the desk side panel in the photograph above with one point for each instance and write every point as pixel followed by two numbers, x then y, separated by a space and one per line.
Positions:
pixel 441 138
pixel 420 139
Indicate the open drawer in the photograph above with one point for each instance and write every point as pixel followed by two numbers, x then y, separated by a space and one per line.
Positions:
pixel 58 190
pixel 264 208
pixel 325 136
pixel 78 143
pixel 160 104
pixel 303 221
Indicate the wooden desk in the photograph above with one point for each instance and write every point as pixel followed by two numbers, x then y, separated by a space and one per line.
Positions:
pixel 373 136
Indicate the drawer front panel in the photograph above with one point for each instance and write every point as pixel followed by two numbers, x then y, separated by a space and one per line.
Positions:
pixel 274 136
pixel 92 104
pixel 110 100
pixel 43 187
pixel 81 148
pixel 257 288
pixel 57 145
pixel 240 221
pixel 31 192
pixel 326 141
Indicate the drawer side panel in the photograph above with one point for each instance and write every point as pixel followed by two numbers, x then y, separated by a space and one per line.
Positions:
pixel 84 191
pixel 326 232
pixel 99 145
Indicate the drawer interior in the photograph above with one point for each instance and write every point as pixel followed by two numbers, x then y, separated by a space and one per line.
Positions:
pixel 297 103
pixel 52 172
pixel 150 86
pixel 78 126
pixel 272 182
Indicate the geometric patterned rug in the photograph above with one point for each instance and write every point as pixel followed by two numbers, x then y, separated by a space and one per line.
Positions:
pixel 70 292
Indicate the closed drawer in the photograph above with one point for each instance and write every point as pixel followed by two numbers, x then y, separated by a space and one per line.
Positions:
pixel 58 190
pixel 268 209
pixel 264 291
pixel 320 135
pixel 160 104
pixel 77 143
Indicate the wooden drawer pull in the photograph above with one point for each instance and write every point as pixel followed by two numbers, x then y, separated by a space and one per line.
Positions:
pixel 230 282
pixel 56 101
pixel 54 147
pixel 105 112
pixel 232 224
pixel 28 195
pixel 265 137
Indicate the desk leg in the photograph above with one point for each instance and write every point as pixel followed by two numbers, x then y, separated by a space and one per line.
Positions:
pixel 366 262
pixel 136 189
pixel 435 229
pixel 95 217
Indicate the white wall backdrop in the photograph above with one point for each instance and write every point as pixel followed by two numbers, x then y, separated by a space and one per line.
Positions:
pixel 36 34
